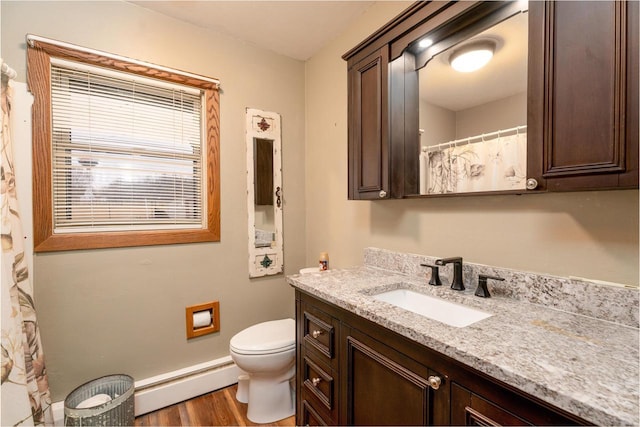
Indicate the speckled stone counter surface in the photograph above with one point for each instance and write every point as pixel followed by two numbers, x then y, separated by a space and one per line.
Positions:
pixel 584 365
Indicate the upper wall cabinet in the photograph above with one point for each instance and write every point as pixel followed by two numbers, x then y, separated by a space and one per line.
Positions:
pixel 583 97
pixel 555 108
pixel 368 127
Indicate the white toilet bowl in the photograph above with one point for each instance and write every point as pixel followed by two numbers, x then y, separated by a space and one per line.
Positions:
pixel 266 352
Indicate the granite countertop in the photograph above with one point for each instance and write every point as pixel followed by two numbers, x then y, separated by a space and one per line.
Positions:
pixel 586 366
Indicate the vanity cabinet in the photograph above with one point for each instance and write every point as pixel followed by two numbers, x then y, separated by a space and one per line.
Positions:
pixel 582 96
pixel 382 386
pixel 317 337
pixel 470 409
pixel 351 371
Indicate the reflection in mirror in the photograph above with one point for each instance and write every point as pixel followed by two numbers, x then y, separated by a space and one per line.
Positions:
pixel 264 193
pixel 473 124
pixel 263 173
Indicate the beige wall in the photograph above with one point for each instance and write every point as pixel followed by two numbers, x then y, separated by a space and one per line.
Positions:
pixel 589 234
pixel 122 310
pixel 438 123
pixel 503 114
pixel 442 125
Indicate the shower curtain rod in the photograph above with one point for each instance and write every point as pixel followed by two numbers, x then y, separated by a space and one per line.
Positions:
pixel 8 71
pixel 482 136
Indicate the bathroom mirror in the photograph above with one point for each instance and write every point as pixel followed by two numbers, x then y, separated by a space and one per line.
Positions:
pixel 264 192
pixel 472 133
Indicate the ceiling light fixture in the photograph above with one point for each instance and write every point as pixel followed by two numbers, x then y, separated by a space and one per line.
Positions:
pixel 425 43
pixel 472 56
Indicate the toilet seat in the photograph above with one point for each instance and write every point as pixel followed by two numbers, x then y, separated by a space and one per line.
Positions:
pixel 275 336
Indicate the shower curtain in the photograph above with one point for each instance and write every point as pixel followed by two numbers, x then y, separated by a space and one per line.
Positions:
pixel 24 387
pixel 491 164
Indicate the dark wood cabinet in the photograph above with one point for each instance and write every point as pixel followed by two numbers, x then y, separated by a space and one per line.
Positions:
pixel 582 96
pixel 368 127
pixel 472 410
pixel 318 371
pixel 384 387
pixel 373 376
pixel 477 401
pixel 308 416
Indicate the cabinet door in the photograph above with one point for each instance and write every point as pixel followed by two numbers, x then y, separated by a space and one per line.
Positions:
pixel 468 409
pixel 583 94
pixel 489 404
pixel 384 387
pixel 368 127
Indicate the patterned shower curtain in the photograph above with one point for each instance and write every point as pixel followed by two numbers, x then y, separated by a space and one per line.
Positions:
pixel 492 164
pixel 25 389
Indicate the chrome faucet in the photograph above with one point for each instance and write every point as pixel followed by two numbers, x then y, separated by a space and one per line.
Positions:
pixel 457 282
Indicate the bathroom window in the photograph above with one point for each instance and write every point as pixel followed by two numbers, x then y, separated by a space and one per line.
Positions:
pixel 121 158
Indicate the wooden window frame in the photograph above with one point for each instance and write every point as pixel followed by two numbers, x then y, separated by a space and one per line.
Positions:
pixel 39 54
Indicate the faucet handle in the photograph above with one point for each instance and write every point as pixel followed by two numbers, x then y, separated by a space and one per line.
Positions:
pixel 445 261
pixel 435 274
pixel 482 290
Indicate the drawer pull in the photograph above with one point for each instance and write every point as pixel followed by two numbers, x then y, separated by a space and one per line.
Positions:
pixel 316 333
pixel 315 381
pixel 434 382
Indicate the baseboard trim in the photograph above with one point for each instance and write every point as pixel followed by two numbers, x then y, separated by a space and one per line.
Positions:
pixel 176 386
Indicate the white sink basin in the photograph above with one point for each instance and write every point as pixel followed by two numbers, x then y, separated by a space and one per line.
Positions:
pixel 434 308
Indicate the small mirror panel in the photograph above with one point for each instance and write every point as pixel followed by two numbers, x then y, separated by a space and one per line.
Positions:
pixel 264 193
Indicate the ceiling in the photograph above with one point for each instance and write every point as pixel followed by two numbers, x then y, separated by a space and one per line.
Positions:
pixel 300 28
pixel 297 29
pixel 503 76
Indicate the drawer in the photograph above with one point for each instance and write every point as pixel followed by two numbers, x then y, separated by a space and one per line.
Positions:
pixel 310 417
pixel 326 417
pixel 319 332
pixel 318 382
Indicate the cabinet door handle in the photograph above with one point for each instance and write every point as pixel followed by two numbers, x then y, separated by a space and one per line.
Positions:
pixel 532 184
pixel 382 194
pixel 278 196
pixel 315 381
pixel 434 382
pixel 316 333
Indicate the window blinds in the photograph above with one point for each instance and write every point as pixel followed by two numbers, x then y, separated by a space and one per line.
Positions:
pixel 127 152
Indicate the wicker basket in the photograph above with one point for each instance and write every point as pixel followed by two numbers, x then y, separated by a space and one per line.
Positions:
pixel 119 411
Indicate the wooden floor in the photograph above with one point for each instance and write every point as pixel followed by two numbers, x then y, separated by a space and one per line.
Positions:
pixel 219 408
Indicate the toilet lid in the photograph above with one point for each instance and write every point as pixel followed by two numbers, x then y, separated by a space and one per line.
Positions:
pixel 264 338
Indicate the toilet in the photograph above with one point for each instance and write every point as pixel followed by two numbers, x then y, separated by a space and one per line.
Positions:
pixel 266 352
